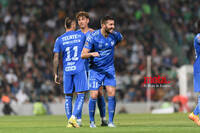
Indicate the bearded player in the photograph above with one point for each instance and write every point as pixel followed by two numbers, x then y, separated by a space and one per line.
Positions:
pixel 99 47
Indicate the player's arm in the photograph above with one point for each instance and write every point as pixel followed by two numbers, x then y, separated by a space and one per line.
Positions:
pixel 86 53
pixel 56 51
pixel 56 68
pixel 87 47
pixel 118 36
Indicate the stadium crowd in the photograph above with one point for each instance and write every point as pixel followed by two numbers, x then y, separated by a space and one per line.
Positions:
pixel 28 29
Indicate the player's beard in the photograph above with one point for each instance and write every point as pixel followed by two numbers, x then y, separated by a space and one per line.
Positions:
pixel 109 30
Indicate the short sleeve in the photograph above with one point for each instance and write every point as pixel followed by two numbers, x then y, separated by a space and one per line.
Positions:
pixel 57 46
pixel 89 42
pixel 118 36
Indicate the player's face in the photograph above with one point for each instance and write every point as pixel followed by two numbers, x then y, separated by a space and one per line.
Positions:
pixel 83 22
pixel 109 26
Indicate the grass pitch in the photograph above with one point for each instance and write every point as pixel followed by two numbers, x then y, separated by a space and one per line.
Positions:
pixel 126 123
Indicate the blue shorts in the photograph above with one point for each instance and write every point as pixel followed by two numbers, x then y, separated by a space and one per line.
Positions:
pixel 196 68
pixel 97 79
pixel 77 81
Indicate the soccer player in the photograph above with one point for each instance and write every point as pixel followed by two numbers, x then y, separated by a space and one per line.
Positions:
pixel 71 44
pixel 195 114
pixel 83 20
pixel 99 46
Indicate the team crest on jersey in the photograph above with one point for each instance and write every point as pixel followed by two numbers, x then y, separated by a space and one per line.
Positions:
pixel 112 43
pixel 88 39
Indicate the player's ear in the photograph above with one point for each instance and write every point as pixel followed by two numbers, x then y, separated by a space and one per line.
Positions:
pixel 88 20
pixel 102 25
pixel 74 25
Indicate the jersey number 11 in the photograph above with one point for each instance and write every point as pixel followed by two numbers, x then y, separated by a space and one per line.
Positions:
pixel 74 58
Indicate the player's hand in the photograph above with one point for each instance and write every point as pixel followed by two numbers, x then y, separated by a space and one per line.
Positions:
pixel 91 30
pixel 95 54
pixel 56 79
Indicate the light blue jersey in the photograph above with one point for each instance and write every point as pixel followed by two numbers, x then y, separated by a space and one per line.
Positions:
pixel 102 69
pixel 96 42
pixel 196 65
pixel 71 45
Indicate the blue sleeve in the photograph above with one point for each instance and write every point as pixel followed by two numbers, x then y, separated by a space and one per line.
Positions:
pixel 89 42
pixel 57 46
pixel 118 36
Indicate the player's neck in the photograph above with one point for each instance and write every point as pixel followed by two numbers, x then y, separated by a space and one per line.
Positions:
pixel 104 33
pixel 69 30
pixel 85 30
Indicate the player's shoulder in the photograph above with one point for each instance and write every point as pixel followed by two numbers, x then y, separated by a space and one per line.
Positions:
pixel 59 37
pixel 77 33
pixel 116 33
pixel 95 33
pixel 80 34
pixel 198 35
pixel 64 34
pixel 78 30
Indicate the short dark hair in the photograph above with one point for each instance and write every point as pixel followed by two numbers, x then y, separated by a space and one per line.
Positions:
pixel 82 14
pixel 106 18
pixel 68 21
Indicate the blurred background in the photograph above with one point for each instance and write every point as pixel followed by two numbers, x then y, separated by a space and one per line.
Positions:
pixel 160 29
